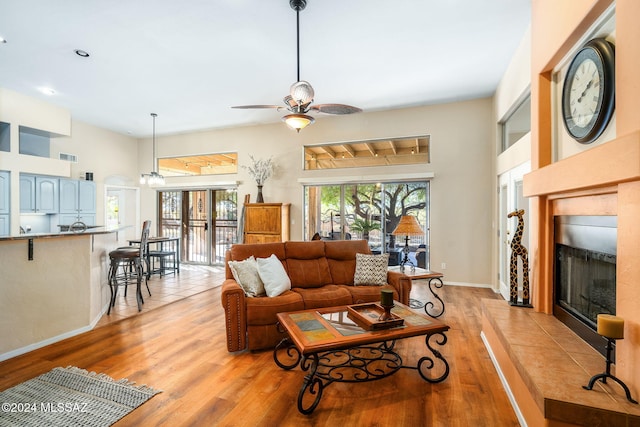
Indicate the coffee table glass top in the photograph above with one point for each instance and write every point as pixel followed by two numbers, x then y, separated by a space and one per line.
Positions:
pixel 332 328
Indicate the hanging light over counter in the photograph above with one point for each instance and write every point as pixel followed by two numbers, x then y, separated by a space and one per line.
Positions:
pixel 153 178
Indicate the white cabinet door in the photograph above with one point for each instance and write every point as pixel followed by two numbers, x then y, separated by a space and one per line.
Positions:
pixel 4 225
pixel 27 193
pixel 88 219
pixel 87 197
pixel 38 194
pixel 68 196
pixel 46 194
pixel 4 193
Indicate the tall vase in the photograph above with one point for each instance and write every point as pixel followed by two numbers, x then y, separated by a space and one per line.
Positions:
pixel 260 199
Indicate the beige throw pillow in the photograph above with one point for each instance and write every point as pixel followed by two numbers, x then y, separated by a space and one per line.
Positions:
pixel 246 274
pixel 371 269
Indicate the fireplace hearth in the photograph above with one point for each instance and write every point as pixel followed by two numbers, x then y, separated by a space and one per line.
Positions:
pixel 585 273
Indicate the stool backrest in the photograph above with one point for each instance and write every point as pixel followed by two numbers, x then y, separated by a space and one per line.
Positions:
pixel 144 238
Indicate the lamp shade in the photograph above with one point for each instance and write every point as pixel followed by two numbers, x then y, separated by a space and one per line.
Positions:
pixel 408 226
pixel 298 121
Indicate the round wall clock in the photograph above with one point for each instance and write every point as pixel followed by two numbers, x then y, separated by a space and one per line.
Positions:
pixel 588 94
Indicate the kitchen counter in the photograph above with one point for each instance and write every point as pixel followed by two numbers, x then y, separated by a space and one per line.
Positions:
pixel 88 231
pixel 53 285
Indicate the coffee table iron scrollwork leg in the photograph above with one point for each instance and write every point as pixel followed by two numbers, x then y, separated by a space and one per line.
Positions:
pixel 312 384
pixel 426 363
pixel 286 354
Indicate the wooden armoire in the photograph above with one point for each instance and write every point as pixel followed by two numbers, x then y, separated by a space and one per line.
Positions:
pixel 266 222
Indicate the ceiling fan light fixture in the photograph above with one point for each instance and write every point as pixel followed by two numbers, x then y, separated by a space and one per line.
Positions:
pixel 298 121
pixel 302 92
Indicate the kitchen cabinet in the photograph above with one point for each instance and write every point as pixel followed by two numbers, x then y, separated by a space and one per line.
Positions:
pixel 4 203
pixel 4 193
pixel 77 201
pixel 266 222
pixel 4 225
pixel 77 196
pixel 38 194
pixel 68 219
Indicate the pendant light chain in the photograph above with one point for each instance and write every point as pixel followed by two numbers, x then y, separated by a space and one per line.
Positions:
pixel 298 42
pixel 154 115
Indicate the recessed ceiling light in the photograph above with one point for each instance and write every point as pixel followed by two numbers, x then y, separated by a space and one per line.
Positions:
pixel 2 40
pixel 47 91
pixel 81 53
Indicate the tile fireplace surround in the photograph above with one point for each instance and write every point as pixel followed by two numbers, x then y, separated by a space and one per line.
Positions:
pixel 545 379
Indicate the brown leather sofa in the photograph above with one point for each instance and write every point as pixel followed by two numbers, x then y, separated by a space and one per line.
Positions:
pixel 321 274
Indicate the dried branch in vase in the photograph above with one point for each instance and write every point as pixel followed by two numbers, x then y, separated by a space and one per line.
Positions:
pixel 260 170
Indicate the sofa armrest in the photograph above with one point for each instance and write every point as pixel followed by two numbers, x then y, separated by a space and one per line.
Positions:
pixel 402 283
pixel 235 313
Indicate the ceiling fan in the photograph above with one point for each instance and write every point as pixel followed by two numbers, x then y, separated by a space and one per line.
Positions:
pixel 301 93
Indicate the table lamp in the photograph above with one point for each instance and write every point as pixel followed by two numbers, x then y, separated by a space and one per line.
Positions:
pixel 408 226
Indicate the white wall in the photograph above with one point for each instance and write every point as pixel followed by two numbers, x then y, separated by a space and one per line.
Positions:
pixel 108 155
pixel 514 85
pixel 462 157
pixel 462 149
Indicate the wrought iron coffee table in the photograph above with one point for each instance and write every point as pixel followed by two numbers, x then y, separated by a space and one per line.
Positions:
pixel 333 348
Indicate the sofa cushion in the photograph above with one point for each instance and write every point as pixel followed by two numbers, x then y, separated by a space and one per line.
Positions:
pixel 371 269
pixel 273 275
pixel 307 265
pixel 308 273
pixel 362 294
pixel 263 311
pixel 341 259
pixel 246 274
pixel 326 296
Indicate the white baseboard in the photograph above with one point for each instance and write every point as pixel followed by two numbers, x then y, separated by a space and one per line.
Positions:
pixel 37 345
pixel 505 384
pixel 69 334
pixel 469 285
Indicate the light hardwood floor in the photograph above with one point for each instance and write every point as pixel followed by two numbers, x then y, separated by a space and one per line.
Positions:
pixel 179 347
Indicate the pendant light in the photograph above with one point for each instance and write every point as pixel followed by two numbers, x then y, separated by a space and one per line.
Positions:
pixel 153 178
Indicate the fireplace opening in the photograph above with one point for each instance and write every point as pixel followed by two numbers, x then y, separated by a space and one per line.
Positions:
pixel 585 273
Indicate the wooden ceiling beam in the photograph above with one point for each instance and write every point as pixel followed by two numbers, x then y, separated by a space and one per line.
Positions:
pixel 392 144
pixel 349 149
pixel 371 149
pixel 329 152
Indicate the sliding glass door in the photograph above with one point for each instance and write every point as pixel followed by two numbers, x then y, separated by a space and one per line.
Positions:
pixel 206 221
pixel 369 211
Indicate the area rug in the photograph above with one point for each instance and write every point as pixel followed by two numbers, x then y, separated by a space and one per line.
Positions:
pixel 71 397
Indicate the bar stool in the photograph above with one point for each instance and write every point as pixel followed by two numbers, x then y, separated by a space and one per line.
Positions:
pixel 129 259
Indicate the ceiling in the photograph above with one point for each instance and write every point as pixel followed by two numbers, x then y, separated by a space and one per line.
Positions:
pixel 189 61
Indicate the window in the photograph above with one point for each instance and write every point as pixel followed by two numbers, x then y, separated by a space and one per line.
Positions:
pixel 205 164
pixel 369 211
pixel 375 152
pixel 516 124
pixel 5 138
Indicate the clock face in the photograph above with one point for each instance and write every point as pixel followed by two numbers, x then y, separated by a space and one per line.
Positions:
pixel 588 91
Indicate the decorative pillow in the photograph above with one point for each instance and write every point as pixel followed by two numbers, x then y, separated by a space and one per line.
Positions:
pixel 246 274
pixel 273 275
pixel 371 269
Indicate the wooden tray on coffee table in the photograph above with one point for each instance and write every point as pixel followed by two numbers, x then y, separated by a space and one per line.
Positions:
pixel 367 316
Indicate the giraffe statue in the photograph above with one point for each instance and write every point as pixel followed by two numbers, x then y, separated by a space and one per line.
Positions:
pixel 517 250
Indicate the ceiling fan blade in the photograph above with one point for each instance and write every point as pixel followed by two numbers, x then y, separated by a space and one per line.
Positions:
pixel 336 109
pixel 246 107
